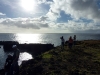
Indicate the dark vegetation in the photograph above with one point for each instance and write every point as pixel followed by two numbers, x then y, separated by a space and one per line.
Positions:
pixel 83 59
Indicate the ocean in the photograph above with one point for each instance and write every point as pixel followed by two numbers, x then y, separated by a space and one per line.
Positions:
pixel 53 38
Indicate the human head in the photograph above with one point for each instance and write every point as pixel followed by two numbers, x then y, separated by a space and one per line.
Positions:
pixel 74 35
pixel 70 37
pixel 9 56
pixel 61 37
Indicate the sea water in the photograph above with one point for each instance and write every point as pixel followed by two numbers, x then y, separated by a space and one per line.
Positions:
pixel 53 38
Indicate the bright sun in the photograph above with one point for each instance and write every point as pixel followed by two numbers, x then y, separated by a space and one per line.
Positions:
pixel 28 5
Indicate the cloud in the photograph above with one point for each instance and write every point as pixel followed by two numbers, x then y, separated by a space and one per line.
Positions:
pixel 76 8
pixel 79 10
pixel 52 16
pixel 45 1
pixel 45 26
pixel 1 14
pixel 83 9
pixel 73 26
pixel 43 18
pixel 31 23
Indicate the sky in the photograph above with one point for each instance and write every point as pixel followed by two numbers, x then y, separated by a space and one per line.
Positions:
pixel 49 16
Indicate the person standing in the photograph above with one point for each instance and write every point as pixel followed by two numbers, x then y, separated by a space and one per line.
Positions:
pixel 62 42
pixel 8 64
pixel 70 41
pixel 74 39
pixel 15 67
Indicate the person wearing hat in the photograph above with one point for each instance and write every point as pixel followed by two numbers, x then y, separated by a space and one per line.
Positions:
pixel 14 66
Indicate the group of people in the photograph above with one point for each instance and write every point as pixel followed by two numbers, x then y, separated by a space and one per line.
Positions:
pixel 11 65
pixel 71 42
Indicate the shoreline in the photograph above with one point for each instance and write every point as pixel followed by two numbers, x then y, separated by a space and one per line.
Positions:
pixel 56 61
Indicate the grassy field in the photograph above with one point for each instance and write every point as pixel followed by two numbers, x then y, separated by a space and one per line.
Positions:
pixel 82 59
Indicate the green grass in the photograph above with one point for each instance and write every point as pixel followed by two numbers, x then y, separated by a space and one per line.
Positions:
pixel 47 56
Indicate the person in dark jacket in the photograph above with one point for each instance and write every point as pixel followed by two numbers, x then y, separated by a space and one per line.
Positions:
pixel 8 64
pixel 15 67
pixel 74 39
pixel 62 42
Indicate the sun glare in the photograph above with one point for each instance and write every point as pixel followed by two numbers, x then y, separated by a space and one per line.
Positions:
pixel 28 5
pixel 28 38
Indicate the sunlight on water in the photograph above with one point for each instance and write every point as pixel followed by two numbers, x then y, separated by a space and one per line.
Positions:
pixel 24 57
pixel 28 38
pixel 2 57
